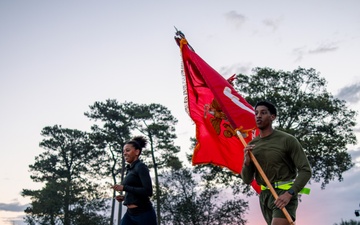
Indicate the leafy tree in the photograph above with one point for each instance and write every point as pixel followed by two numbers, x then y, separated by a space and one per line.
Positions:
pixel 350 222
pixel 322 123
pixel 182 195
pixel 113 129
pixel 119 122
pixel 46 206
pixel 219 175
pixel 157 123
pixel 65 168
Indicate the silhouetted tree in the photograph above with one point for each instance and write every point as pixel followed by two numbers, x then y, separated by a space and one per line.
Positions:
pixel 65 169
pixel 158 124
pixel 322 123
pixel 186 201
pixel 112 128
pixel 350 222
pixel 117 123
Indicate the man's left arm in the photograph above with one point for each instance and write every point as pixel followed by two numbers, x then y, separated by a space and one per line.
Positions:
pixel 302 166
pixel 303 174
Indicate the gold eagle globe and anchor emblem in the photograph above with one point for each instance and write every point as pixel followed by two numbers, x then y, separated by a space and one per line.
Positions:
pixel 218 116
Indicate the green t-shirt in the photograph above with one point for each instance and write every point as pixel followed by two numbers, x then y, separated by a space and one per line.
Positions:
pixel 281 157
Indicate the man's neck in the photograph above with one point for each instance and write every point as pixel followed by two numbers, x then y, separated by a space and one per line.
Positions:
pixel 266 132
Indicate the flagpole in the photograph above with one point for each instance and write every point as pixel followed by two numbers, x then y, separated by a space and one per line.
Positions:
pixel 263 175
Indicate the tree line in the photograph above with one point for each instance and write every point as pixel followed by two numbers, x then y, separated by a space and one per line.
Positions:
pixel 77 167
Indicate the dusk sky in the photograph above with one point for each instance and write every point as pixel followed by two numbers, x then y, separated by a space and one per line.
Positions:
pixel 59 57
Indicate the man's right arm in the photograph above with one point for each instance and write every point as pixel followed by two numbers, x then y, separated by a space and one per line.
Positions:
pixel 248 169
pixel 248 173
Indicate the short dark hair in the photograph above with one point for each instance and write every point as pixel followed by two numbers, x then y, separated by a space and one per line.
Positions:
pixel 269 105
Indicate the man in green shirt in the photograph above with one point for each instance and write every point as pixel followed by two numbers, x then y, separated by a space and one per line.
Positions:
pixel 284 162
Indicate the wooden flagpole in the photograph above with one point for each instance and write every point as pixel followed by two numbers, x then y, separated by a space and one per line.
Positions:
pixel 263 175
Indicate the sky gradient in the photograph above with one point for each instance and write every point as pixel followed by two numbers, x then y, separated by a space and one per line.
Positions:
pixel 59 57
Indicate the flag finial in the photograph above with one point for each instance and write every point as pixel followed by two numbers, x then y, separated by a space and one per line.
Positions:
pixel 180 39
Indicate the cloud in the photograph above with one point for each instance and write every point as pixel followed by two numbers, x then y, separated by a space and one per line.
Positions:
pixel 235 69
pixel 274 24
pixel 355 155
pixel 13 207
pixel 300 52
pixel 350 93
pixel 323 48
pixel 357 129
pixel 235 18
pixel 13 220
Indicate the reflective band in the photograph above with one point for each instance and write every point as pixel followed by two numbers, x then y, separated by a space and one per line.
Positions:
pixel 286 185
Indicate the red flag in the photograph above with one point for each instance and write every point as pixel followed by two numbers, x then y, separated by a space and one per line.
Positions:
pixel 217 110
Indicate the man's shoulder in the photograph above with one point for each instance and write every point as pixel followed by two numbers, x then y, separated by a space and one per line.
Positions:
pixel 289 139
pixel 283 134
